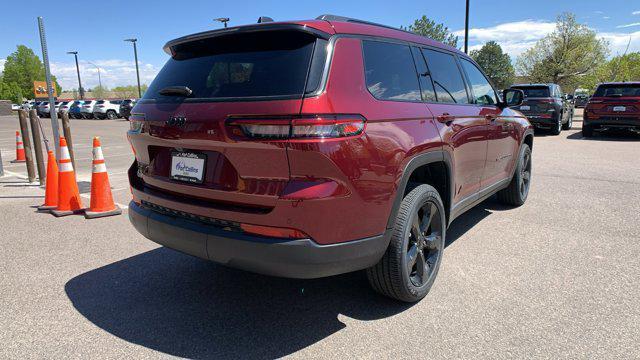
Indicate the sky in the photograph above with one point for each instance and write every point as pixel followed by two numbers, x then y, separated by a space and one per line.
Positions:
pixel 97 31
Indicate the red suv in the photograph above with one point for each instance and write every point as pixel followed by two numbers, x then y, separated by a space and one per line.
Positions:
pixel 312 148
pixel 613 106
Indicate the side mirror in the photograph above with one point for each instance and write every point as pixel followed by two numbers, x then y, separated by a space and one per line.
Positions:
pixel 512 97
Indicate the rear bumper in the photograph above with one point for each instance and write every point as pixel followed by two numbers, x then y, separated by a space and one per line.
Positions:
pixel 300 258
pixel 614 122
pixel 538 121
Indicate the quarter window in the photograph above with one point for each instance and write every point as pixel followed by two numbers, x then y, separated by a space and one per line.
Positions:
pixel 482 90
pixel 447 79
pixel 390 72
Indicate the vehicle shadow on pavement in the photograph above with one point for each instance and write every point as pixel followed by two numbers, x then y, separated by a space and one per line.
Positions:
pixel 607 136
pixel 187 307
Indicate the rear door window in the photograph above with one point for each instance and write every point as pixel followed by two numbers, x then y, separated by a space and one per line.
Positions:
pixel 426 85
pixel 390 71
pixel 447 78
pixel 483 92
pixel 260 64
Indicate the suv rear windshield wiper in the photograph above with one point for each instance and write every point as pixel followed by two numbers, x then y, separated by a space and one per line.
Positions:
pixel 176 90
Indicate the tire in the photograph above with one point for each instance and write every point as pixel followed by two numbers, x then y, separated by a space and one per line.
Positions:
pixel 587 131
pixel 410 264
pixel 569 123
pixel 518 190
pixel 111 115
pixel 558 127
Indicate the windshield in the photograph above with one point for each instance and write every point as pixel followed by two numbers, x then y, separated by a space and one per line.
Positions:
pixel 534 91
pixel 618 90
pixel 242 65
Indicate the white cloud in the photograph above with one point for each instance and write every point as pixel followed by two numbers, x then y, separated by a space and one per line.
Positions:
pixel 514 37
pixel 637 12
pixel 2 61
pixel 113 72
pixel 606 17
pixel 628 25
pixel 517 37
pixel 618 42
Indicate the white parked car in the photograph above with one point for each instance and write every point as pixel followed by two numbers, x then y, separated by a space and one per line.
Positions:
pixel 64 106
pixel 86 111
pixel 15 107
pixel 107 109
pixel 43 109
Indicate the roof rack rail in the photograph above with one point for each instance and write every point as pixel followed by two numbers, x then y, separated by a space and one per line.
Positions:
pixel 329 17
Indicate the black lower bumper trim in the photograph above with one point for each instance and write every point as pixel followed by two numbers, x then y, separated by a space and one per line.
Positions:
pixel 299 258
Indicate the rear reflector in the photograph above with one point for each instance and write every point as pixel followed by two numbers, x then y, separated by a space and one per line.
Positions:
pixel 275 232
pixel 299 127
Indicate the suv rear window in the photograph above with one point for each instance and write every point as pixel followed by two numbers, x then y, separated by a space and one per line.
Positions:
pixel 390 71
pixel 260 64
pixel 618 90
pixel 100 102
pixel 534 91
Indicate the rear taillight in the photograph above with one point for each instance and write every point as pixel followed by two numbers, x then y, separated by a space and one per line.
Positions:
pixel 275 232
pixel 100 106
pixel 305 127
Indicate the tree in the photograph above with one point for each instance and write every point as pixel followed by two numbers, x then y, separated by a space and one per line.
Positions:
pixel 429 28
pixel 495 63
pixel 620 68
pixel 99 91
pixel 23 67
pixel 572 51
pixel 129 91
pixel 10 91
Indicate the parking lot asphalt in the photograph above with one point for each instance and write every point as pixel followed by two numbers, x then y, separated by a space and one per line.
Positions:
pixel 555 278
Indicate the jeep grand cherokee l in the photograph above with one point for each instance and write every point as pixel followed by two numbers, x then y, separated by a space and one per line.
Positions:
pixel 312 148
pixel 613 106
pixel 546 107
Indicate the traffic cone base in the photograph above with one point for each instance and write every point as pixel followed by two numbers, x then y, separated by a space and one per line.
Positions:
pixel 92 214
pixel 60 213
pixel 102 203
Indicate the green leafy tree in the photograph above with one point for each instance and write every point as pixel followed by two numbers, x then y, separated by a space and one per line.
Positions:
pixel 10 91
pixel 129 91
pixel 571 52
pixel 620 68
pixel 429 28
pixel 495 63
pixel 23 67
pixel 99 91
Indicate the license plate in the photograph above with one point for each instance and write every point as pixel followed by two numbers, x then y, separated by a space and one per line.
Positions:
pixel 187 166
pixel 619 108
pixel 525 107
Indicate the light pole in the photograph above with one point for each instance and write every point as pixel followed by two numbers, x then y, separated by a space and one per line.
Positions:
pixel 223 20
pixel 466 29
pixel 99 79
pixel 135 54
pixel 80 89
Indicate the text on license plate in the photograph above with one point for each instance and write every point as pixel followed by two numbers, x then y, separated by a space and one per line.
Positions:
pixel 525 107
pixel 619 108
pixel 187 166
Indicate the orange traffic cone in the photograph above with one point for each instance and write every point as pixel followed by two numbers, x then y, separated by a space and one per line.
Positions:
pixel 20 155
pixel 51 191
pixel 101 198
pixel 68 195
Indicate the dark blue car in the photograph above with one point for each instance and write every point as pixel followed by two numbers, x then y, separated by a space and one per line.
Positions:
pixel 74 111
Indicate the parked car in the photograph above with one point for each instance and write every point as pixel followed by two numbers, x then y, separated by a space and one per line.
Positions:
pixel 86 111
pixel 43 109
pixel 126 106
pixel 580 100
pixel 56 106
pixel 15 107
pixel 278 170
pixel 74 109
pixel 64 106
pixel 107 109
pixel 613 106
pixel 546 107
